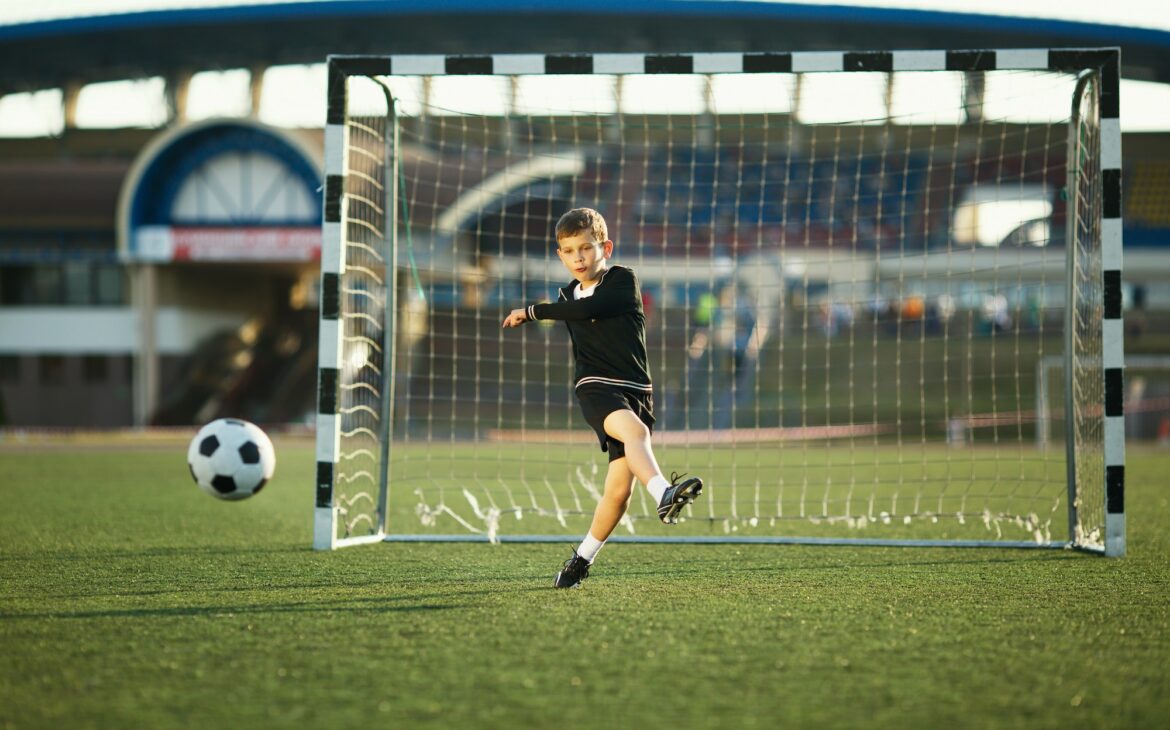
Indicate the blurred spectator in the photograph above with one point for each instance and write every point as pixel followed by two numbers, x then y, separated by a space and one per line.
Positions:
pixel 1135 319
pixel 995 312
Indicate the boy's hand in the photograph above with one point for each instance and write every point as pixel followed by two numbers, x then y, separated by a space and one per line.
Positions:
pixel 516 318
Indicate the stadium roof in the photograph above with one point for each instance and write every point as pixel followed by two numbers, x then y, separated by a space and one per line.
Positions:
pixel 53 53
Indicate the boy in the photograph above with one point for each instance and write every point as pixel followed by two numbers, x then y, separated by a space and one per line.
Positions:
pixel 602 309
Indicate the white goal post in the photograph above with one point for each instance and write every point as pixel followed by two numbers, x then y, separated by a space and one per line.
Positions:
pixel 847 310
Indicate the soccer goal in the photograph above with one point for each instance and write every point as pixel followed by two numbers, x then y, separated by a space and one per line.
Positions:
pixel 853 266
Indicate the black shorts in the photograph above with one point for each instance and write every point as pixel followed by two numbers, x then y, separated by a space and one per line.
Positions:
pixel 598 401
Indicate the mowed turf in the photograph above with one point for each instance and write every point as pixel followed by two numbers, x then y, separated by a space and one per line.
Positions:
pixel 130 599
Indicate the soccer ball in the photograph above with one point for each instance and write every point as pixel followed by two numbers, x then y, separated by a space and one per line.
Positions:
pixel 231 459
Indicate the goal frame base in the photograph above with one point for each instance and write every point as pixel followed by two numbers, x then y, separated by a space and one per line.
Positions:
pixel 739 540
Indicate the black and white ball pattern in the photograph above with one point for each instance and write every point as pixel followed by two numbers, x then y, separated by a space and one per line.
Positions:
pixel 231 459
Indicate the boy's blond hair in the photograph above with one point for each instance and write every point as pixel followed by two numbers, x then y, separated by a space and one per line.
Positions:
pixel 579 220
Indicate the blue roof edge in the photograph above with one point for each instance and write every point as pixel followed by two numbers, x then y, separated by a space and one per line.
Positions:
pixel 1091 32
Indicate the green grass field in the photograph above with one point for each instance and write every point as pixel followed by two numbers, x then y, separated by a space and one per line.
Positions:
pixel 132 600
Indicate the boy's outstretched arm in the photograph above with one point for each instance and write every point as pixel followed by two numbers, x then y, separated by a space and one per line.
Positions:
pixel 516 318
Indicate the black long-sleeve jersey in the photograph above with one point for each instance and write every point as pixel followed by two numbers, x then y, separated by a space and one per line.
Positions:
pixel 608 330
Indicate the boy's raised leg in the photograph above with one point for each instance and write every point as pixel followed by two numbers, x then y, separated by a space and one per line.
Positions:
pixel 625 426
pixel 672 496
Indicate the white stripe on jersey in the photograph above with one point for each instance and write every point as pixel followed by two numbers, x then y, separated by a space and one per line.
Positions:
pixel 615 382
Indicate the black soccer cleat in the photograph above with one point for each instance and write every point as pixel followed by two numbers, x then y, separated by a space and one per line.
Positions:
pixel 576 570
pixel 677 496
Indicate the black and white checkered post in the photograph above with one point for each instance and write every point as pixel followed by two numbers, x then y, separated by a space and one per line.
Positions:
pixel 330 327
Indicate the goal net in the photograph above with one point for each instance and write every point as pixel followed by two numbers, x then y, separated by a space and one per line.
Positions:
pixel 853 267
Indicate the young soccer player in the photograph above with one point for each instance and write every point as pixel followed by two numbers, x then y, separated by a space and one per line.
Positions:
pixel 602 309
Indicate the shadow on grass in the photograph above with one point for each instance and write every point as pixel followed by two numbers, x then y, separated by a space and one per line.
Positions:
pixel 223 612
pixel 155 552
pixel 507 586
pixel 370 604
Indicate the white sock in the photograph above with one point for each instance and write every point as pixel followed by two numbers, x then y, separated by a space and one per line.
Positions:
pixel 658 486
pixel 589 547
